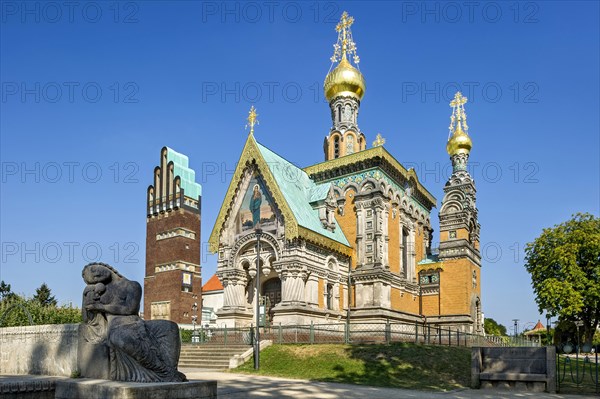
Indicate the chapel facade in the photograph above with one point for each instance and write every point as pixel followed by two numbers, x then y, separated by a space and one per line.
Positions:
pixel 348 238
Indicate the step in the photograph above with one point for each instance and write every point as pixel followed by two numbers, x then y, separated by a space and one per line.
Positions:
pixel 208 355
pixel 210 350
pixel 212 366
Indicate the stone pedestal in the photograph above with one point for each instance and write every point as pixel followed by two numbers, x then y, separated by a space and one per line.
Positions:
pixel 235 318
pixel 100 389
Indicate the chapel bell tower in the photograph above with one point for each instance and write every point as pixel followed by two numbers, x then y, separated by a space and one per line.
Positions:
pixel 460 290
pixel 344 87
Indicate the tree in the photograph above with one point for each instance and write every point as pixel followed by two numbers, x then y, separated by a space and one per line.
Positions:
pixel 564 263
pixel 44 296
pixel 17 310
pixel 5 291
pixel 492 327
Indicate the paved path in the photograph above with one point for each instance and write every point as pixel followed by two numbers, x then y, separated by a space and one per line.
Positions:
pixel 241 386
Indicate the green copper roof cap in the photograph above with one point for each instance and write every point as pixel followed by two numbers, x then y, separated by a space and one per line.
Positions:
pixel 299 191
pixel 187 175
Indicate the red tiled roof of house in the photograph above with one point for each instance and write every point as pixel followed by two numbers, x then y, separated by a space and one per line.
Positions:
pixel 213 284
pixel 539 326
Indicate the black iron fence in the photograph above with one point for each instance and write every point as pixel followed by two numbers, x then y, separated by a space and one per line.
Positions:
pixel 353 333
pixel 578 369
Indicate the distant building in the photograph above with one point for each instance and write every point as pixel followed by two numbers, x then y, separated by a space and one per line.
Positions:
pixel 350 236
pixel 212 300
pixel 173 282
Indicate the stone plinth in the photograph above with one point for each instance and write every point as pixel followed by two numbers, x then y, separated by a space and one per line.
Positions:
pixel 86 388
pixel 28 386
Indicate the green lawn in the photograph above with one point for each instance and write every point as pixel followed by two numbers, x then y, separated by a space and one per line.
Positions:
pixel 397 365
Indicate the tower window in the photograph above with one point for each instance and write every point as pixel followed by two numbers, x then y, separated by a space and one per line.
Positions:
pixel 336 147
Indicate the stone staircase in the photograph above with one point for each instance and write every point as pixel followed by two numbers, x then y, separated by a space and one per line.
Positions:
pixel 209 356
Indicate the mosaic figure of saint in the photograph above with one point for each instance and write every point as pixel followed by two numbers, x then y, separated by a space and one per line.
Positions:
pixel 255 203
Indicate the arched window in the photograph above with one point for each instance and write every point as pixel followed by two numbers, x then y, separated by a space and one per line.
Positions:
pixel 336 147
pixel 329 295
pixel 405 252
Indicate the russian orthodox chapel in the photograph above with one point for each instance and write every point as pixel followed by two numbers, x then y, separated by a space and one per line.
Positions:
pixel 348 238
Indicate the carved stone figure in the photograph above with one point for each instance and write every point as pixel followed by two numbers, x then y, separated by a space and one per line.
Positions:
pixel 114 343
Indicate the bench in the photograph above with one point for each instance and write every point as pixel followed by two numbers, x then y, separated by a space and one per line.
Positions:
pixel 518 368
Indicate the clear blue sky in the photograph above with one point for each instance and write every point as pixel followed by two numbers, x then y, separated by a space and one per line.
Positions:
pixel 91 93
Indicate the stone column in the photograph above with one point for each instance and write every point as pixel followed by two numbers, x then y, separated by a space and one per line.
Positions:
pixel 292 286
pixel 411 252
pixel 234 287
pixel 386 235
pixel 360 234
pixel 312 290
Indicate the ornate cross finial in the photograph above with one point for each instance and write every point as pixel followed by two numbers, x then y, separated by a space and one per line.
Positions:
pixel 345 46
pixel 379 141
pixel 252 119
pixel 459 117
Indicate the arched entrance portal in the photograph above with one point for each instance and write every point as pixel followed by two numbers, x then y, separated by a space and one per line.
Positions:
pixel 271 291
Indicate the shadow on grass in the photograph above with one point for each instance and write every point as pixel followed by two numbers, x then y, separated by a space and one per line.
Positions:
pixel 407 366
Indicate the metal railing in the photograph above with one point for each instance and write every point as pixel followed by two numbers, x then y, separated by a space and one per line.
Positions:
pixel 356 333
pixel 578 372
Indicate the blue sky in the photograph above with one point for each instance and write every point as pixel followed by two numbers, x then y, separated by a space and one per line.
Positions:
pixel 91 93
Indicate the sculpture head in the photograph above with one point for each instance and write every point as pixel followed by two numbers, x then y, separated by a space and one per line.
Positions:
pixel 98 273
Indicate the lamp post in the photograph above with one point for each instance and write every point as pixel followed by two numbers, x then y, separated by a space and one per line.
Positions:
pixel 578 324
pixel 194 321
pixel 516 323
pixel 548 317
pixel 258 232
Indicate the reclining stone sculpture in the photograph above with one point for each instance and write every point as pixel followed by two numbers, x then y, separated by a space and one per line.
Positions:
pixel 114 342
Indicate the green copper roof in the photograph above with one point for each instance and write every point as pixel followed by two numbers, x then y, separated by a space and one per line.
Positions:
pixel 299 191
pixel 429 260
pixel 187 175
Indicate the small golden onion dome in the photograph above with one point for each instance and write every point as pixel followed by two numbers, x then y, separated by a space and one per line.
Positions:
pixel 344 80
pixel 459 142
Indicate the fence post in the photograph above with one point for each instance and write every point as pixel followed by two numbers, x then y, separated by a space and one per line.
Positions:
pixel 439 332
pixel 312 333
pixel 428 334
pixel 457 337
pixel 388 332
pixel 416 332
pixel 225 336
pixel 449 337
pixel 279 332
pixel 466 339
pixel 347 333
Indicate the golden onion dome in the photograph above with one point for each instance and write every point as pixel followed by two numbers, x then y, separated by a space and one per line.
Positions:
pixel 344 80
pixel 459 142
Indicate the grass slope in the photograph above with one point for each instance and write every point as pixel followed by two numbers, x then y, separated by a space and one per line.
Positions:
pixel 397 365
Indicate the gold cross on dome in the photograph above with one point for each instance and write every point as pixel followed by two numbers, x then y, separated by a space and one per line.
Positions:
pixel 458 119
pixel 379 141
pixel 459 100
pixel 252 115
pixel 345 23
